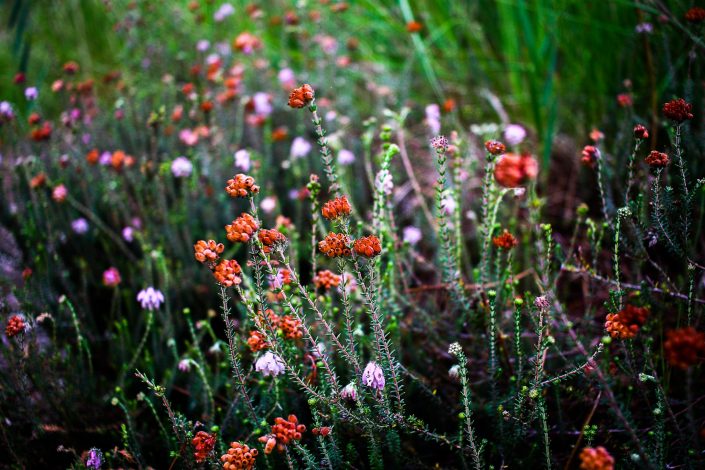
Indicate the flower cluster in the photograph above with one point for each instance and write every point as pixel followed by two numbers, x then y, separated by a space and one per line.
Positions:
pixel 203 444
pixel 657 159
pixel 269 364
pixel 326 279
pixel 625 324
pixel 301 96
pixel 227 273
pixel 283 432
pixel 291 327
pixel 239 457
pixel 335 245
pixel 695 15
pixel 336 208
pixel 270 238
pixel 684 347
pixel 505 240
pixel 241 186
pixel 368 247
pixel 15 326
pixel 596 458
pixel 678 110
pixel 207 251
pixel 242 228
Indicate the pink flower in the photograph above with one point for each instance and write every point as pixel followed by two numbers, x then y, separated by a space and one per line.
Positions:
pixel 514 134
pixel 268 204
pixel 181 167
pixel 111 277
pixel 59 193
pixel 80 226
pixel 349 392
pixel 262 103
pixel 412 235
pixel 346 157
pixel 286 78
pixel 373 376
pixel 188 137
pixel 150 298
pixel 242 160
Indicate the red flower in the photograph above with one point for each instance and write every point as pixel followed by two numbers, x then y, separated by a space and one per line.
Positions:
pixel 336 208
pixel 657 159
pixel 505 241
pixel 678 110
pixel 684 347
pixel 239 457
pixel 203 443
pixel 335 245
pixel 514 170
pixel 596 459
pixel 590 155
pixel 625 323
pixel 695 15
pixel 368 247
pixel 301 96
pixel 15 326
pixel 495 147
pixel 640 132
pixel 241 186
pixel 283 432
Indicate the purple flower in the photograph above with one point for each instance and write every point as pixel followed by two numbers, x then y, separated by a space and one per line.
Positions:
pixel 242 160
pixel 412 235
pixel 105 158
pixel 373 376
pixel 514 134
pixel 181 167
pixel 128 234
pixel 644 28
pixel 111 277
pixel 203 45
pixel 269 364
pixel 300 147
pixel 433 118
pixel 6 111
pixel 262 103
pixel 95 458
pixel 31 93
pixel 346 157
pixel 223 12
pixel 80 226
pixel 184 365
pixel 150 298
pixel 542 303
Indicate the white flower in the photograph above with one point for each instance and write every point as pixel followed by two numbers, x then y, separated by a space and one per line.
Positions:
pixel 181 167
pixel 300 147
pixel 31 93
pixel 268 204
pixel 514 134
pixel 223 12
pixel 242 160
pixel 346 157
pixel 269 364
pixel 412 235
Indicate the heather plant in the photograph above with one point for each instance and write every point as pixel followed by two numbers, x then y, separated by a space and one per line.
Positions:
pixel 260 244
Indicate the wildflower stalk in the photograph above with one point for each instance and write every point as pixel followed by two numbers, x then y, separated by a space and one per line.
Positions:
pixel 487 190
pixel 680 162
pixel 80 339
pixel 630 170
pixel 208 392
pixel 143 341
pixel 518 304
pixel 601 189
pixel 326 155
pixel 234 360
pixel 457 351
pixel 492 296
pixel 347 311
pixel 621 213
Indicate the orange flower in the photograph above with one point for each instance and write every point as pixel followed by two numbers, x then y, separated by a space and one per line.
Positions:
pixel 227 273
pixel 242 228
pixel 368 247
pixel 625 324
pixel 92 157
pixel 335 245
pixel 506 240
pixel 596 459
pixel 207 250
pixel 38 180
pixel 241 186
pixel 239 457
pixel 326 279
pixel 247 43
pixel 291 327
pixel 414 26
pixel 279 134
pixel 514 170
pixel 283 432
pixel 684 347
pixel 336 208
pixel 269 238
pixel 495 147
pixel 256 341
pixel 267 319
pixel 301 96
